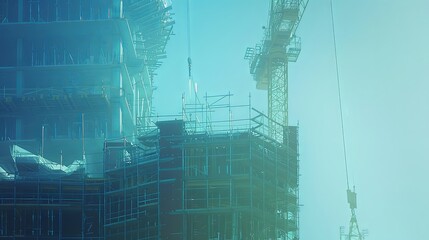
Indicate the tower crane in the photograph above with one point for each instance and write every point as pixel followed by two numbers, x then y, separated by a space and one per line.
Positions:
pixel 268 61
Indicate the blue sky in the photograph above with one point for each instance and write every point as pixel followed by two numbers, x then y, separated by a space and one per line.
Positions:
pixel 383 58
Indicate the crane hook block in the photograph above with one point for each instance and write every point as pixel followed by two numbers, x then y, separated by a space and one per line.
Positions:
pixel 351 198
pixel 190 66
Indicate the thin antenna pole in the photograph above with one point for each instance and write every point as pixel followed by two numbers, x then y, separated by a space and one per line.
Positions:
pixel 83 136
pixel 208 124
pixel 183 107
pixel 188 12
pixel 195 106
pixel 250 111
pixel 230 112
pixel 339 95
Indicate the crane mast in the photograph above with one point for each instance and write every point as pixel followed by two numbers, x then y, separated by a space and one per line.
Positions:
pixel 269 60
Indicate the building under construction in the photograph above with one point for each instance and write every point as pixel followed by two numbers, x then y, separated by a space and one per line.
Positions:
pixel 73 70
pixel 80 159
pixel 178 183
pixel 175 182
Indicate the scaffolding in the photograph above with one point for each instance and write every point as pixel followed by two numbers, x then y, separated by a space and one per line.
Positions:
pixel 238 183
pixel 41 199
pixel 131 191
pixel 224 180
pixel 239 186
pixel 51 208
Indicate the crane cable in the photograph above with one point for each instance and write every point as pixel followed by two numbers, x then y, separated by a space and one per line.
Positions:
pixel 351 195
pixel 189 39
pixel 193 87
pixel 339 97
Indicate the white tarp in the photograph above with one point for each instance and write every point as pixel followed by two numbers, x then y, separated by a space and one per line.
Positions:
pixel 21 155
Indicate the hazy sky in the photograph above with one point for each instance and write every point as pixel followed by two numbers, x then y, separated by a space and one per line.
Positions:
pixel 383 58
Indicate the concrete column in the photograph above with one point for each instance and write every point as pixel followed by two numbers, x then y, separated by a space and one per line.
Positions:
pixel 19 84
pixel 19 77
pixel 20 10
pixel 116 130
pixel 19 54
pixel 117 9
pixel 135 100
pixel 234 226
pixel 137 105
pixel 18 129
pixel 116 95
pixel 118 52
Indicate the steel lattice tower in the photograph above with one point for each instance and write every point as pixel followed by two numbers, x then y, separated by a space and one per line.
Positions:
pixel 354 232
pixel 269 61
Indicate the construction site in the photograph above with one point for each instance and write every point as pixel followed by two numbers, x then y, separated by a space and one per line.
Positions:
pixel 84 155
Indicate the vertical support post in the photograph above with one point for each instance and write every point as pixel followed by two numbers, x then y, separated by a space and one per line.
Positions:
pixel 183 107
pixel 60 211
pixel 83 204
pixel 206 172
pixel 19 84
pixel 19 46
pixel 250 112
pixel 184 205
pixel 43 140
pixel 20 10
pixel 135 101
pixel 19 79
pixel 229 112
pixel 125 185
pixel 252 230
pixel 19 75
pixel 158 219
pixel 15 212
pixel 117 94
pixel 117 9
pixel 117 53
pixel 234 226
pixel 18 128
pixel 83 136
